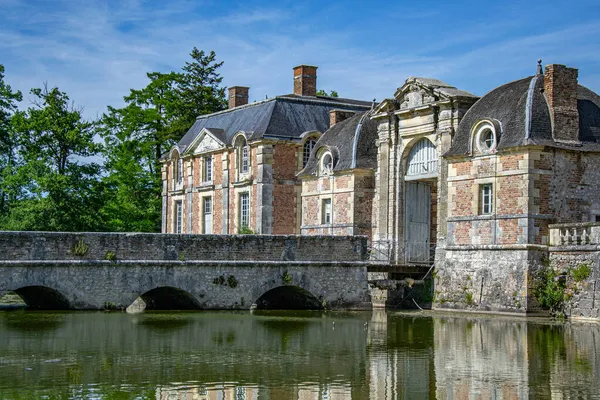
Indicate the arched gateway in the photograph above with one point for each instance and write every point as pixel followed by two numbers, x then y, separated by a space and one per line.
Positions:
pixel 420 184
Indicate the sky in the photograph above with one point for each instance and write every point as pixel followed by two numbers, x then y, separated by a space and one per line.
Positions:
pixel 97 50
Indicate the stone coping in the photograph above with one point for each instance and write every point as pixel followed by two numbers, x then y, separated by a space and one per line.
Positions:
pixel 574 225
pixel 186 263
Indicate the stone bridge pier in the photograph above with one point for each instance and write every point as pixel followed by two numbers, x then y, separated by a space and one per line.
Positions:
pixel 110 271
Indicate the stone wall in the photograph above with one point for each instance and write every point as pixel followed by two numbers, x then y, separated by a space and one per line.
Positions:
pixel 351 194
pixel 21 246
pixel 583 296
pixel 495 280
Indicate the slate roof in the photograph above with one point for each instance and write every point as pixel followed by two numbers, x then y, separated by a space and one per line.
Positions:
pixel 527 123
pixel 352 146
pixel 282 117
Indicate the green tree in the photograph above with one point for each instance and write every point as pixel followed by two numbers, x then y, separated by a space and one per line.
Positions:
pixel 322 92
pixel 9 189
pixel 199 88
pixel 56 171
pixel 137 135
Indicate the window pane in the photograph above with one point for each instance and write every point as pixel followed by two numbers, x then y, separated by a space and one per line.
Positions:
pixel 244 210
pixel 327 211
pixel 308 146
pixel 245 160
pixel 178 216
pixel 179 170
pixel 486 199
pixel 207 168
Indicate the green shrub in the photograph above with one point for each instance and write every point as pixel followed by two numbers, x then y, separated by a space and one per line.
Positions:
pixel 232 282
pixel 286 278
pixel 581 272
pixel 469 298
pixel 110 256
pixel 80 248
pixel 245 230
pixel 549 290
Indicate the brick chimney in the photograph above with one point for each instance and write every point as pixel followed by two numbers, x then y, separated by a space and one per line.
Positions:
pixel 560 87
pixel 238 96
pixel 305 80
pixel 337 115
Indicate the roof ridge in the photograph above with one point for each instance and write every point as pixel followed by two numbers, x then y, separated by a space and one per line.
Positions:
pixel 256 103
pixel 320 100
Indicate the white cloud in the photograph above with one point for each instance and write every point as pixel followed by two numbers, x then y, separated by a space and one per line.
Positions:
pixel 96 52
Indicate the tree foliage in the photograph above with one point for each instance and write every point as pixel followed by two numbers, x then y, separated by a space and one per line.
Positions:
pixel 8 106
pixel 55 179
pixel 51 177
pixel 322 92
pixel 136 136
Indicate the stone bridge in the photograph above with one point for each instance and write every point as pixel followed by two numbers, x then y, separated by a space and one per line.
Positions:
pixel 61 270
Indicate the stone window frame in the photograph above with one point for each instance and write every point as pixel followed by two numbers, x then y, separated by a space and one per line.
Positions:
pixel 204 208
pixel 486 200
pixel 305 144
pixel 243 160
pixel 485 136
pixel 207 168
pixel 322 168
pixel 241 212
pixel 177 169
pixel 178 217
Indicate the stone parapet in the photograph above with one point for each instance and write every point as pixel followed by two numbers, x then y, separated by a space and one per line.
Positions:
pixel 22 246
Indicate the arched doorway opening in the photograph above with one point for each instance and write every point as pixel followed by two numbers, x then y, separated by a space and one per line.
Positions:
pixel 288 298
pixel 420 199
pixel 43 298
pixel 169 298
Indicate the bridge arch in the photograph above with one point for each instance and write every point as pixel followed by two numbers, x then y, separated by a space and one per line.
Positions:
pixel 169 298
pixel 288 297
pixel 43 298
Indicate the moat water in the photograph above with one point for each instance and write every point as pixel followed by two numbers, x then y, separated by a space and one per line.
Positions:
pixel 294 355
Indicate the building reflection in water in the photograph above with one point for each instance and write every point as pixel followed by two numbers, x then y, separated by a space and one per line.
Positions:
pixel 301 356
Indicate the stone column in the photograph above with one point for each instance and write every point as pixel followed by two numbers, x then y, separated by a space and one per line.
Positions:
pixel 264 189
pixel 225 191
pixel 165 198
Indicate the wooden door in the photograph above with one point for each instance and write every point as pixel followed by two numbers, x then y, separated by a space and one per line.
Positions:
pixel 417 217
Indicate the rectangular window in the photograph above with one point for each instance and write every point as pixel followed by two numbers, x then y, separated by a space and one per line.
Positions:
pixel 486 199
pixel 207 173
pixel 245 160
pixel 207 213
pixel 244 210
pixel 178 216
pixel 326 210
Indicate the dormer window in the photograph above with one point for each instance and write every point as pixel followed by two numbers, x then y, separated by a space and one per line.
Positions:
pixel 326 164
pixel 245 159
pixel 243 155
pixel 179 171
pixel 486 138
pixel 306 150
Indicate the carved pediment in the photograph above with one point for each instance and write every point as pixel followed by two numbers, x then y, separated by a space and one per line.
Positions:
pixel 206 141
pixel 418 92
pixel 414 95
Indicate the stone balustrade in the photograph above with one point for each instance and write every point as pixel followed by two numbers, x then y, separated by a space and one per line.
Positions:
pixel 575 234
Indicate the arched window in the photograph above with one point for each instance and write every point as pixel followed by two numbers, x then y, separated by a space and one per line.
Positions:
pixel 243 155
pixel 422 159
pixel 306 149
pixel 179 172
